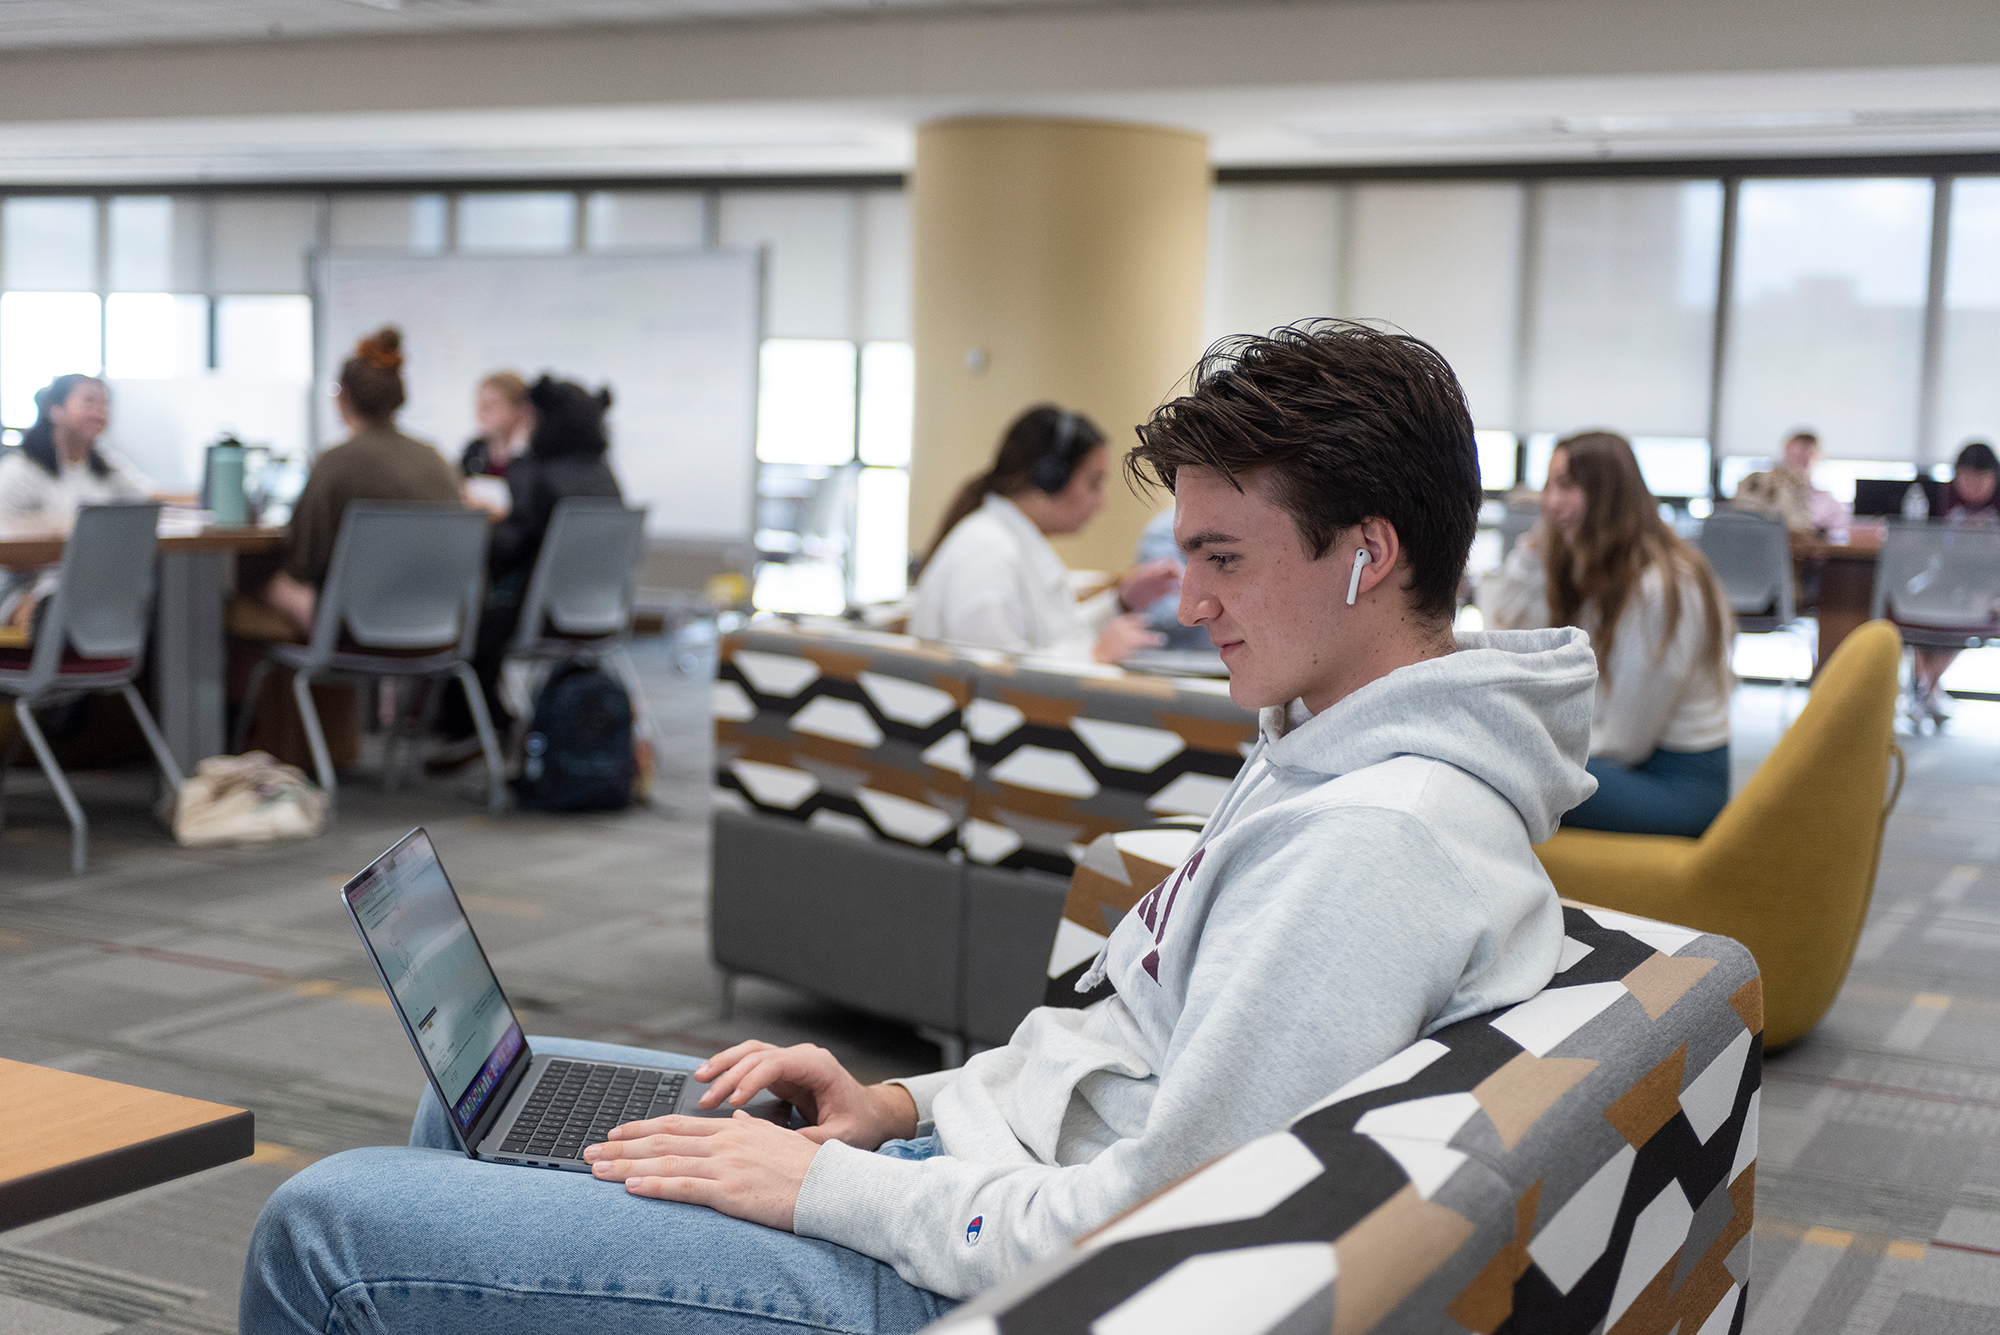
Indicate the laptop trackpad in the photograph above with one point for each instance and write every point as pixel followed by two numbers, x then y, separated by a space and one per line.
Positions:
pixel 762 1104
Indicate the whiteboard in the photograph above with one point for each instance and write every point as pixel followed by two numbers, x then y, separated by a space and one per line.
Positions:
pixel 674 334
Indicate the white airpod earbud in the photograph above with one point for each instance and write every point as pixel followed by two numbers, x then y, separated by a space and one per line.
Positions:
pixel 1361 558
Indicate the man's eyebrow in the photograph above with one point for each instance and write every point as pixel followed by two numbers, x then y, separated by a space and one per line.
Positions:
pixel 1208 537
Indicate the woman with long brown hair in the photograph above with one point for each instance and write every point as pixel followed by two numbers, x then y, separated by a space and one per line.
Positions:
pixel 1602 558
pixel 991 578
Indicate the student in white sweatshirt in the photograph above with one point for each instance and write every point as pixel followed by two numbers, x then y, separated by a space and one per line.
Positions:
pixel 993 581
pixel 1603 559
pixel 1367 880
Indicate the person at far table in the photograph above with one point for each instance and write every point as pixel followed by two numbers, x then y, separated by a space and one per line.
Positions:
pixel 58 468
pixel 505 420
pixel 1788 491
pixel 992 580
pixel 564 458
pixel 376 463
pixel 1601 558
pixel 1971 497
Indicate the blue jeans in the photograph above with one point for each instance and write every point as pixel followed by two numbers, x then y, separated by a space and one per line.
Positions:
pixel 424 1240
pixel 1672 792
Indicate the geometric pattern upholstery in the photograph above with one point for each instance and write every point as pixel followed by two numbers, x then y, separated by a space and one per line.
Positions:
pixel 1063 757
pixel 1584 1161
pixel 1114 873
pixel 857 733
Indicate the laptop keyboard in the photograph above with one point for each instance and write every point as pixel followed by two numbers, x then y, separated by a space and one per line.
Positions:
pixel 577 1104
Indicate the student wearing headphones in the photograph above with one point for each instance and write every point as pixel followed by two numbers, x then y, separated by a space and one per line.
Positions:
pixel 991 578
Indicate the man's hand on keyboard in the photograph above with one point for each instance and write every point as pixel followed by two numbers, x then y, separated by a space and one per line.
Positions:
pixel 835 1105
pixel 743 1166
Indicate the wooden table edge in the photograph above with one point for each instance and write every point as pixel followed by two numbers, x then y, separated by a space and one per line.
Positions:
pixel 146 1163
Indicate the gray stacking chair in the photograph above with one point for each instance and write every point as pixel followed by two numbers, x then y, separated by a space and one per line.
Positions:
pixel 1752 555
pixel 580 594
pixel 92 638
pixel 401 599
pixel 1519 518
pixel 1940 584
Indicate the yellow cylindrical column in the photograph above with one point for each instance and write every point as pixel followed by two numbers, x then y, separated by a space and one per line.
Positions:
pixel 1054 260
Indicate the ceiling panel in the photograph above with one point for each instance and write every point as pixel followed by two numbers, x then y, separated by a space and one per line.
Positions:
pixel 28 24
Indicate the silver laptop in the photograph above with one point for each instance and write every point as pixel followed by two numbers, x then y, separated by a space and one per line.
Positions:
pixel 507 1104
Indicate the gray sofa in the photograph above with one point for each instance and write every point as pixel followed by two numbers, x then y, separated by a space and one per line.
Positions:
pixel 895 822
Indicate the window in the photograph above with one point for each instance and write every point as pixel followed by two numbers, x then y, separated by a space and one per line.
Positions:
pixel 1826 326
pixel 1274 257
pixel 643 219
pixel 805 401
pixel 155 335
pixel 542 220
pixel 391 222
pixel 44 335
pixel 1443 262
pixel 1623 320
pixel 833 441
pixel 1969 389
pixel 49 245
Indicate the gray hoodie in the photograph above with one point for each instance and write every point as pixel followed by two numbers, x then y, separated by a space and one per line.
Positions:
pixel 1367 879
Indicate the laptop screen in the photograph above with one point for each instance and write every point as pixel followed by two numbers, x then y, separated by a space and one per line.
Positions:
pixel 411 921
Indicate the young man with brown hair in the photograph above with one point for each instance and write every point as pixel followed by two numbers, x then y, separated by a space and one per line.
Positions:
pixel 1367 880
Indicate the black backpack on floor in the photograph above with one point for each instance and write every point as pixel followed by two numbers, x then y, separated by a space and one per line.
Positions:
pixel 579 748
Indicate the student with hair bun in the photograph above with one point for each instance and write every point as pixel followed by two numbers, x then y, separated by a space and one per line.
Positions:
pixel 376 463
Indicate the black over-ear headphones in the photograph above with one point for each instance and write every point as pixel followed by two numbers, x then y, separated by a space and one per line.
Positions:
pixel 1052 471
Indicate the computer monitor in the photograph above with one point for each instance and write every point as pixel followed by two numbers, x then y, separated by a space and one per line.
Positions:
pixel 1884 496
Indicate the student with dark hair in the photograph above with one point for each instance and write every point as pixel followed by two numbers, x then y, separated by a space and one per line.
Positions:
pixel 1971 497
pixel 376 463
pixel 564 458
pixel 58 468
pixel 1603 559
pixel 1367 879
pixel 991 579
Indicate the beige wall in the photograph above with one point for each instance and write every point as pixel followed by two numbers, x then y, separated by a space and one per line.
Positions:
pixel 1071 255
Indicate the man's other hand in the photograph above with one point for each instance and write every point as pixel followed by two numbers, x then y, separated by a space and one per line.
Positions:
pixel 834 1103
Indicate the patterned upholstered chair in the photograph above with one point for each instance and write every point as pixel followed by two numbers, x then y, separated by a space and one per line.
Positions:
pixel 1582 1161
pixel 841 771
pixel 1061 758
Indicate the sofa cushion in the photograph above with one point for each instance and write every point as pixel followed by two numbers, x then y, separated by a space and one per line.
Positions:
pixel 853 732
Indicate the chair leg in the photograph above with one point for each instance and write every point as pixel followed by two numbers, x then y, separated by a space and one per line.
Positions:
pixel 315 736
pixel 170 769
pixel 7 767
pixel 79 828
pixel 247 711
pixel 496 771
pixel 621 659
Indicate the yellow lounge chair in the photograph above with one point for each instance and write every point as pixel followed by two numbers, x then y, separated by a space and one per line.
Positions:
pixel 1789 865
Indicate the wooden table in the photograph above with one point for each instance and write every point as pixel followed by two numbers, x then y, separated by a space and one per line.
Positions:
pixel 73 1140
pixel 1846 581
pixel 189 658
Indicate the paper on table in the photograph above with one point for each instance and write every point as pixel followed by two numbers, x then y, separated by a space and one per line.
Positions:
pixel 177 522
pixel 489 493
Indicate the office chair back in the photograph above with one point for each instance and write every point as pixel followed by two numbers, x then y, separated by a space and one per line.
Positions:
pixel 1518 519
pixel 403 577
pixel 583 581
pixel 102 607
pixel 1752 555
pixel 1941 577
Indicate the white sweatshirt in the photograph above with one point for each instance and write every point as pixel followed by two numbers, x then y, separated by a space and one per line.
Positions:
pixel 1367 879
pixel 996 583
pixel 1656 694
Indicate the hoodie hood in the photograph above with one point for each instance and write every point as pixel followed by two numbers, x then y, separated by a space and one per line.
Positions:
pixel 1512 708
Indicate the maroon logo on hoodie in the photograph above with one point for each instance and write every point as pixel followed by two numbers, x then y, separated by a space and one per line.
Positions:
pixel 1156 908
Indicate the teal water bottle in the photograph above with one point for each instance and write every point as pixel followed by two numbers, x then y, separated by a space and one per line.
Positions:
pixel 225 484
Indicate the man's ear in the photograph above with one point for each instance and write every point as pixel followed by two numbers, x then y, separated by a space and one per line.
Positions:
pixel 1377 536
